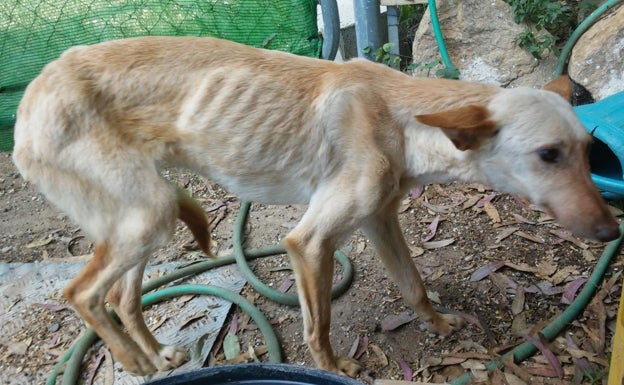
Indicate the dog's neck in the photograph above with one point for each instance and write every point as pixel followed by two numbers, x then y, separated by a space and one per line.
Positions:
pixel 430 156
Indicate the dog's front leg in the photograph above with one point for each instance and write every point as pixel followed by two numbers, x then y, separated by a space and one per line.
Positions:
pixel 384 231
pixel 310 247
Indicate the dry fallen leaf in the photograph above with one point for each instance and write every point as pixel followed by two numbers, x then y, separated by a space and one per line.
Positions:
pixel 354 347
pixel 517 305
pixel 250 355
pixel 158 323
pixel 437 274
pixel 416 251
pixel 530 237
pixel 39 243
pixel 416 192
pixel 505 233
pixel 588 256
pixel 358 348
pixel 571 289
pixel 287 284
pixel 394 321
pixel 484 271
pixel 521 201
pixel 471 201
pixel 362 348
pixel 491 212
pixel 405 205
pixel 520 219
pixel 435 208
pixel 504 284
pixel 519 324
pixel 567 236
pixel 434 297
pixel 486 199
pixel 408 373
pixel 562 274
pixel 550 356
pixel 231 346
pixel 433 227
pixel 438 244
pixel 380 356
pixel 512 379
pixel 546 267
pixel 192 320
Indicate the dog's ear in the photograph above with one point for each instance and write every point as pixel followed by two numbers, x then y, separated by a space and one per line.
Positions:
pixel 466 126
pixel 562 86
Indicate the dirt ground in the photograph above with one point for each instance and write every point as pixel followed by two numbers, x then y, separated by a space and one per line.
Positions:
pixel 502 264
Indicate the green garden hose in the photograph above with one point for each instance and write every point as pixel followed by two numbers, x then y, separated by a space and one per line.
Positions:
pixel 437 32
pixel 73 357
pixel 450 72
pixel 580 30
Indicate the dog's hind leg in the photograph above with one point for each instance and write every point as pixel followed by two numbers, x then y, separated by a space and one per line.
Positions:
pixel 128 225
pixel 385 233
pixel 87 293
pixel 125 297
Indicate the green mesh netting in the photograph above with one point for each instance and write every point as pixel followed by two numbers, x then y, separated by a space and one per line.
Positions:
pixel 35 32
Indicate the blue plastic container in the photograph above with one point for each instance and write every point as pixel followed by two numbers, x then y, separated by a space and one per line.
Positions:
pixel 605 121
pixel 256 374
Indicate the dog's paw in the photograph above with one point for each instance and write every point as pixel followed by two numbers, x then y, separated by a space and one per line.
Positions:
pixel 347 366
pixel 137 363
pixel 170 357
pixel 445 324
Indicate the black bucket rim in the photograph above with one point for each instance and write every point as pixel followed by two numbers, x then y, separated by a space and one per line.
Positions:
pixel 256 373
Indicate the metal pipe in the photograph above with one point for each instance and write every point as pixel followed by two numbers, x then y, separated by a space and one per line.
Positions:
pixel 393 33
pixel 331 29
pixel 366 27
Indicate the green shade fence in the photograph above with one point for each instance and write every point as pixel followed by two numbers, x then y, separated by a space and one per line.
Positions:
pixel 35 32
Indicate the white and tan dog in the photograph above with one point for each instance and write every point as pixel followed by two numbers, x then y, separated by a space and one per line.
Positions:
pixel 348 139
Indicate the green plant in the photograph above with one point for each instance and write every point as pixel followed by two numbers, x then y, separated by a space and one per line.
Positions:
pixel 557 17
pixel 420 66
pixel 537 45
pixel 412 14
pixel 596 376
pixel 383 55
pixel 540 13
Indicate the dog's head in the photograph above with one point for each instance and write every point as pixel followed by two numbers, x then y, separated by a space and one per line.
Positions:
pixel 530 142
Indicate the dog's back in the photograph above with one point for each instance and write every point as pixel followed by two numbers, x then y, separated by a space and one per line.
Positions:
pixel 204 109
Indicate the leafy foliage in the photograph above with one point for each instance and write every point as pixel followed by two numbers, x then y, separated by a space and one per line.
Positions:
pixel 557 17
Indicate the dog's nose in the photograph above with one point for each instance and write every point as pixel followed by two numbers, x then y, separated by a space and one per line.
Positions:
pixel 607 232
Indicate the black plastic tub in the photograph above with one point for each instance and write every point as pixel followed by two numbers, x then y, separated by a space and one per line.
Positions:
pixel 256 374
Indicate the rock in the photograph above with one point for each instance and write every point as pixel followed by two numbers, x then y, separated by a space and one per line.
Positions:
pixel 597 59
pixel 481 39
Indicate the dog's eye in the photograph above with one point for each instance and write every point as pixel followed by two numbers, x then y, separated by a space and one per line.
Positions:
pixel 549 155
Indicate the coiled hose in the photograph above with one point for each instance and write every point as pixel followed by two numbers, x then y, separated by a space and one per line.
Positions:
pixel 74 356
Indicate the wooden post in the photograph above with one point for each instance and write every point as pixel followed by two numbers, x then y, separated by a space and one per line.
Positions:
pixel 616 370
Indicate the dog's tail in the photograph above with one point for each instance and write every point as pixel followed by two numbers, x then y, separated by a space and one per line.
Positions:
pixel 191 213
